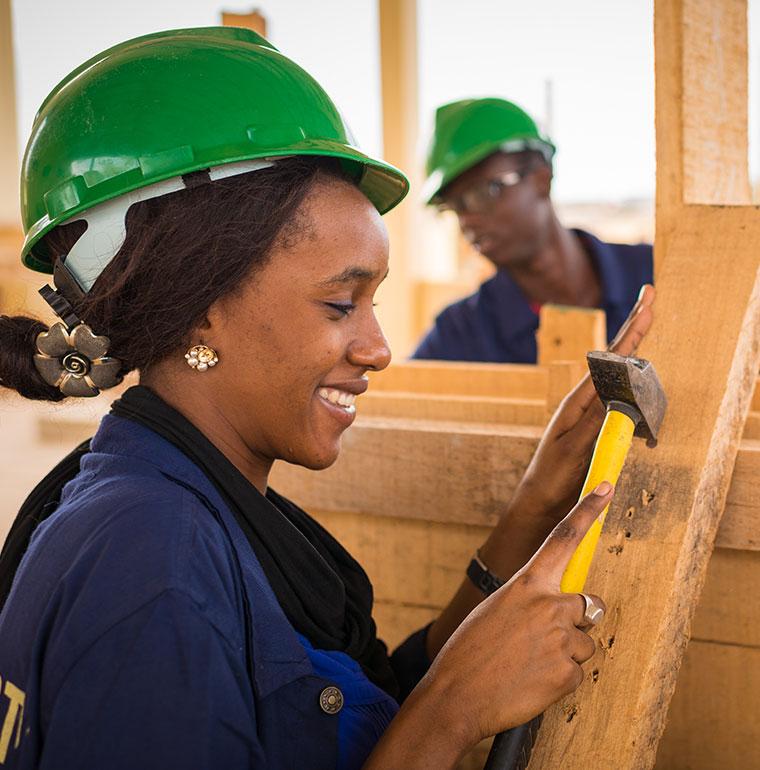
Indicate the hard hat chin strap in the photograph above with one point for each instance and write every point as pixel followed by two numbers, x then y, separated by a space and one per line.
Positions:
pixel 106 225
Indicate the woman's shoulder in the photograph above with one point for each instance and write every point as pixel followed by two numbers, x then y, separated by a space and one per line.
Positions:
pixel 122 540
pixel 123 534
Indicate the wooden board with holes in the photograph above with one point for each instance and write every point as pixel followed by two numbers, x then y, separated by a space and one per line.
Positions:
pixel 705 345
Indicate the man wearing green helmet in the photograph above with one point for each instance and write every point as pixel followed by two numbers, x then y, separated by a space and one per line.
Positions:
pixel 490 165
pixel 209 223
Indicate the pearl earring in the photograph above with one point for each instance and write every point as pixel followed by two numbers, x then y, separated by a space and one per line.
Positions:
pixel 201 357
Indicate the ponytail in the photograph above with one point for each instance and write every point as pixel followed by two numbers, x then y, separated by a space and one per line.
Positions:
pixel 18 335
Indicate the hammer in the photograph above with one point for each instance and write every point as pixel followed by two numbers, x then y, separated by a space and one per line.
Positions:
pixel 636 404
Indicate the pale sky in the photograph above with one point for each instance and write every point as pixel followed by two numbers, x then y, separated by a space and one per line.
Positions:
pixel 597 55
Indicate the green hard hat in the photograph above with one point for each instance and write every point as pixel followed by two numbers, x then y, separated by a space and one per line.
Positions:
pixel 470 130
pixel 170 103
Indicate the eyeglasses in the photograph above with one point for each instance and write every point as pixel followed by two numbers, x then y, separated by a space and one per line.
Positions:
pixel 481 197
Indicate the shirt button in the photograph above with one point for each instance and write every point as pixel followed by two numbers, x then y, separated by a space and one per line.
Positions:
pixel 331 700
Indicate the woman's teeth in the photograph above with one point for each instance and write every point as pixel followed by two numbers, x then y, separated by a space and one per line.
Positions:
pixel 339 398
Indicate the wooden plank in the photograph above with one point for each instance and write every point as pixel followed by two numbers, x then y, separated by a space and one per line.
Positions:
pixel 706 350
pixel 740 525
pixel 434 406
pixel 689 476
pixel 9 149
pixel 568 333
pixel 713 722
pixel 729 609
pixel 464 378
pixel 473 380
pixel 398 81
pixel 752 426
pixel 431 297
pixel 415 567
pixel 419 563
pixel 668 120
pixel 465 474
pixel 715 101
pixel 253 20
pixel 415 469
pixel 457 451
pixel 755 404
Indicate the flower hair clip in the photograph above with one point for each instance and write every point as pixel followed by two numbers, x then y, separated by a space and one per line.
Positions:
pixel 71 357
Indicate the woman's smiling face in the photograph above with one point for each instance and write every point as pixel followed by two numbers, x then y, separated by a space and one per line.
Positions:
pixel 295 343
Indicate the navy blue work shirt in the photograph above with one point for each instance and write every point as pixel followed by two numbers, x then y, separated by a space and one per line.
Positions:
pixel 497 324
pixel 141 632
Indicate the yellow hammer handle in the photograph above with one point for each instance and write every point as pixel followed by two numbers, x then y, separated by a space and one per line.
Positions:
pixel 606 463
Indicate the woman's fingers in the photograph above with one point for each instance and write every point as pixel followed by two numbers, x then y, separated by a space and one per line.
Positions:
pixel 637 324
pixel 552 557
pixel 528 635
pixel 582 647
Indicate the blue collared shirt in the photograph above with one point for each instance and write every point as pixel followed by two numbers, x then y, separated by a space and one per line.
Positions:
pixel 141 632
pixel 497 324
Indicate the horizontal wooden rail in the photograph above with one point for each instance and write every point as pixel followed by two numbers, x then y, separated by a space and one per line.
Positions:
pixel 470 378
pixel 464 378
pixel 466 474
pixel 435 406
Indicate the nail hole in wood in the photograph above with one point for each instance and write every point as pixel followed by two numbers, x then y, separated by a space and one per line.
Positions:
pixel 570 712
pixel 646 497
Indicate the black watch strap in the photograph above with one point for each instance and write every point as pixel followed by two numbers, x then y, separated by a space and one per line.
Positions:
pixel 483 579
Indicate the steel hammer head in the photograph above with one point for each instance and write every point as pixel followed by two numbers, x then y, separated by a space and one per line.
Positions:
pixel 631 381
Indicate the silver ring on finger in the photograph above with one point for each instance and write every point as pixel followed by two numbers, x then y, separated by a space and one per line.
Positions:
pixel 593 613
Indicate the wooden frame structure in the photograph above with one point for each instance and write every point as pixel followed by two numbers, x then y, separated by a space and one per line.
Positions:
pixel 421 492
pixel 439 449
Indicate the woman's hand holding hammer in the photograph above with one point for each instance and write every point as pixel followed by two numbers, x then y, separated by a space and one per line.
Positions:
pixel 515 654
pixel 551 484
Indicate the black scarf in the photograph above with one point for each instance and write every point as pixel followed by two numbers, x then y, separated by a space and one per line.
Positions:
pixel 323 591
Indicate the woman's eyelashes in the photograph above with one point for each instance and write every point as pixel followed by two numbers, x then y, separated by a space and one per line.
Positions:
pixel 344 308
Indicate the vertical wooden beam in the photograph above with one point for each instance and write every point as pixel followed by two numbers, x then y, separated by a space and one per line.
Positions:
pixel 253 20
pixel 701 107
pixel 705 343
pixel 668 63
pixel 568 333
pixel 715 102
pixel 9 166
pixel 398 72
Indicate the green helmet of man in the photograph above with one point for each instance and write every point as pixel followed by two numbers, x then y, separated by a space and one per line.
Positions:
pixel 171 103
pixel 470 130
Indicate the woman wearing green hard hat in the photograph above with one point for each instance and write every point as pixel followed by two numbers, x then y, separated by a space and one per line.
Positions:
pixel 209 223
